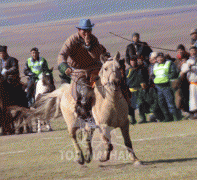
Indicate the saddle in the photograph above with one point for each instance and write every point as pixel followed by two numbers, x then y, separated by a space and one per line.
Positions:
pixel 82 91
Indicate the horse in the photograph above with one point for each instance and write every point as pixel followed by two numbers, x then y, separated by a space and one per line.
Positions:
pixel 109 111
pixel 11 96
pixel 44 85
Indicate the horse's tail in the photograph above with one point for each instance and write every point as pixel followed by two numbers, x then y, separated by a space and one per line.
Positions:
pixel 48 106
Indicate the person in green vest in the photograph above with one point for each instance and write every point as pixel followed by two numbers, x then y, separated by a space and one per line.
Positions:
pixel 34 67
pixel 164 71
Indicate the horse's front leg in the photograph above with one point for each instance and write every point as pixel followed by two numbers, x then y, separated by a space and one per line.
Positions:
pixel 48 125
pixel 89 153
pixel 106 136
pixel 79 153
pixel 128 144
pixel 39 125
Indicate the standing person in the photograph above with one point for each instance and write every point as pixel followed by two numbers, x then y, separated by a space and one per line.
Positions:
pixel 153 99
pixel 164 71
pixel 182 84
pixel 193 35
pixel 135 81
pixel 190 67
pixel 182 54
pixel 144 67
pixel 138 47
pixel 34 67
pixel 152 61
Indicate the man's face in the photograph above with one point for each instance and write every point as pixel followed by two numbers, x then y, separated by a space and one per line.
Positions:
pixel 133 63
pixel 152 60
pixel 84 33
pixel 193 52
pixel 136 38
pixel 160 59
pixel 35 55
pixel 194 36
pixel 180 51
pixel 3 55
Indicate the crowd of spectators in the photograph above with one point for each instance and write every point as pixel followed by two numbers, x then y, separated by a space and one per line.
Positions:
pixel 161 85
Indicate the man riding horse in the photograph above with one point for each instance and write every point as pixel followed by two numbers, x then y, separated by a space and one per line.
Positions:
pixel 80 59
pixel 11 88
pixel 34 67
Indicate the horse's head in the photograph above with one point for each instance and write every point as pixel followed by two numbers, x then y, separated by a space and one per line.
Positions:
pixel 110 73
pixel 48 81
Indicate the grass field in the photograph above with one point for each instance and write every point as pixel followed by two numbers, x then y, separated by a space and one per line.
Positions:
pixel 167 150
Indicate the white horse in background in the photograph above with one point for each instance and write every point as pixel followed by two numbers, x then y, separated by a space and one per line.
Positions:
pixel 44 85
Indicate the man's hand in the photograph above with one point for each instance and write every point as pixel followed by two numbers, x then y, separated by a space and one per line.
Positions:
pixel 68 71
pixel 31 74
pixel 143 85
pixel 4 72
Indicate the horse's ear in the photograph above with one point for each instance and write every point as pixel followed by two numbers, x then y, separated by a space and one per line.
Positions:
pixel 51 70
pixel 117 56
pixel 103 58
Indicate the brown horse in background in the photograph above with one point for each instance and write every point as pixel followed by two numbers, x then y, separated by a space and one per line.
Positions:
pixel 10 95
pixel 109 110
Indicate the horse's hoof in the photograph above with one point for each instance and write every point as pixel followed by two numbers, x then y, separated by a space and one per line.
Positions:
pixel 80 159
pixel 104 159
pixel 88 157
pixel 29 129
pixel 137 163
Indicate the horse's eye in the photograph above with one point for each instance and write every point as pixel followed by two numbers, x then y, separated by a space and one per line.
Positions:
pixel 106 68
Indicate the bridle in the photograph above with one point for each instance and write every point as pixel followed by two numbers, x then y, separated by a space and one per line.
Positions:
pixel 113 71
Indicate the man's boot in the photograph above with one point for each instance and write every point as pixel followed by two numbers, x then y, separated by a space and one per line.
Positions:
pixel 143 119
pixel 177 116
pixel 132 116
pixel 142 114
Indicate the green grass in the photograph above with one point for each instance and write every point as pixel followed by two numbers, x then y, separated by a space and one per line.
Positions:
pixel 167 150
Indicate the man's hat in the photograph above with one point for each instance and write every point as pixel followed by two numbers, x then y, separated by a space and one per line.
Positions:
pixel 3 48
pixel 180 46
pixel 34 49
pixel 85 24
pixel 160 54
pixel 153 55
pixel 135 34
pixel 193 31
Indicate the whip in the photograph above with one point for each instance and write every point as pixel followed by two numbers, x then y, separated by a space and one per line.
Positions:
pixel 140 43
